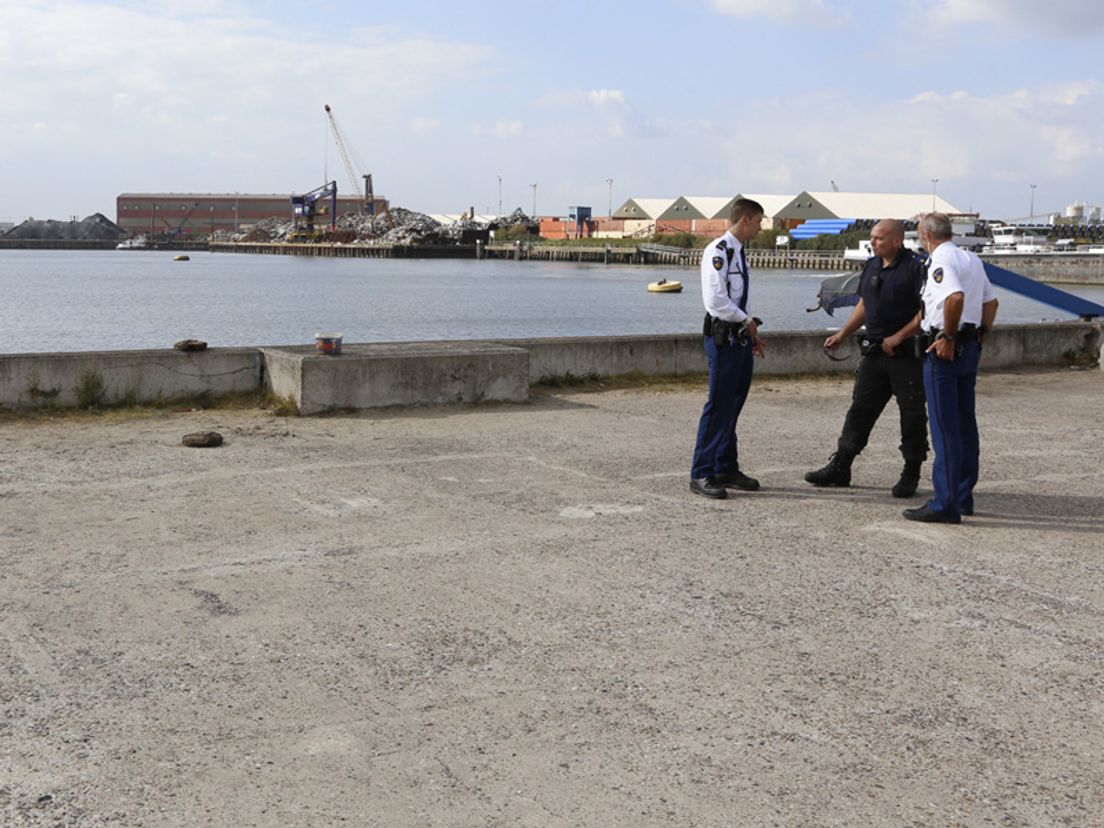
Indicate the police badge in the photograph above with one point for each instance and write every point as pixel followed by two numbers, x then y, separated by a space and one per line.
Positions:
pixel 937 274
pixel 718 262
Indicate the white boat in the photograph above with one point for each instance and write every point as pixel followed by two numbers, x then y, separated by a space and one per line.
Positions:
pixel 864 250
pixel 133 243
pixel 860 253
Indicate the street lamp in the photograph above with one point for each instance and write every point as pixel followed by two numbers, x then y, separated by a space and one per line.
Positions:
pixel 934 181
pixel 499 197
pixel 153 218
pixel 534 186
pixel 1032 212
pixel 610 214
pixel 212 211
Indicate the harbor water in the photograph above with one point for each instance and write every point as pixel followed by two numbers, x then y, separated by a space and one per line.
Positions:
pixel 119 300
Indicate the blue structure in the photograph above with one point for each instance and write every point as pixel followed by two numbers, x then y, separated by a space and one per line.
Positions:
pixel 1042 293
pixel 843 291
pixel 579 215
pixel 821 227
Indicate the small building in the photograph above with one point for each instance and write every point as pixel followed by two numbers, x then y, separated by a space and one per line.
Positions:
pixel 194 215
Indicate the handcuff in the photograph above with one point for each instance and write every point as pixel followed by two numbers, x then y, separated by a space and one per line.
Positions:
pixel 835 358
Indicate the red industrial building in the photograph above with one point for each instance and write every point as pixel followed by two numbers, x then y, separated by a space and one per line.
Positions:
pixel 194 215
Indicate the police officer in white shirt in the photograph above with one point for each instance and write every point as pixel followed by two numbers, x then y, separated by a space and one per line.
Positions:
pixel 731 340
pixel 959 308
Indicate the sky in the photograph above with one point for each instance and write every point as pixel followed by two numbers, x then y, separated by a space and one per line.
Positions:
pixel 449 104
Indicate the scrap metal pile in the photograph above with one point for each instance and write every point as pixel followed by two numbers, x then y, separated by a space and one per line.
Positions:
pixel 403 227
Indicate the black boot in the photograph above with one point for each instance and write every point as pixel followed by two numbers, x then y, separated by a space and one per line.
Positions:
pixel 836 473
pixel 909 480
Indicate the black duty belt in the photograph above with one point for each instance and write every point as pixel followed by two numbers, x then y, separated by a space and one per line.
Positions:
pixel 912 347
pixel 965 333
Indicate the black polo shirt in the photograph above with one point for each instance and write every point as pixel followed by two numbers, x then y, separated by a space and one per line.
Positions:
pixel 891 295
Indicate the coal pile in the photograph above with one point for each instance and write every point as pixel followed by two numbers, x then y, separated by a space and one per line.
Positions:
pixel 96 227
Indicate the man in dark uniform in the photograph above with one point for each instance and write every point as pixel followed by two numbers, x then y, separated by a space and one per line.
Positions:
pixel 731 340
pixel 891 365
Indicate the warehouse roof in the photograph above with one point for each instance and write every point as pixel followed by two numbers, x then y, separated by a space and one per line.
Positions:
pixel 699 207
pixel 810 205
pixel 771 203
pixel 643 208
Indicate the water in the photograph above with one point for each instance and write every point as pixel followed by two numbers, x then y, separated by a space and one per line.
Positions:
pixel 117 300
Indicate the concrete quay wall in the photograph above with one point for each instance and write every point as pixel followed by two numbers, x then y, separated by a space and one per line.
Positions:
pixel 115 377
pixel 382 374
pixel 787 352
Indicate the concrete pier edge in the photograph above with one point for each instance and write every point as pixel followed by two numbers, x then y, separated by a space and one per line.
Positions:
pixel 373 375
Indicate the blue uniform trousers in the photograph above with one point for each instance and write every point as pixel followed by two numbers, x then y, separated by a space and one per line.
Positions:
pixel 949 385
pixel 730 366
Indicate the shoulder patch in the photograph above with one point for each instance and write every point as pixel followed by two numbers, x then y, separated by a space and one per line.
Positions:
pixel 937 274
pixel 718 262
pixel 722 245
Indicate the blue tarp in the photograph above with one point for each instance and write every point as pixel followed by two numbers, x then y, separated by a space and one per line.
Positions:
pixel 842 291
pixel 1042 293
pixel 821 227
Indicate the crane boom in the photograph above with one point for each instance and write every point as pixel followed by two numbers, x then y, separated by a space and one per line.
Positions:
pixel 349 169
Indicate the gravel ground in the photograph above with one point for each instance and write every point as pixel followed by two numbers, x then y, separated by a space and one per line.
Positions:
pixel 519 616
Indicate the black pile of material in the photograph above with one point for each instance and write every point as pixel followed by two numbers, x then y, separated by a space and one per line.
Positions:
pixel 96 227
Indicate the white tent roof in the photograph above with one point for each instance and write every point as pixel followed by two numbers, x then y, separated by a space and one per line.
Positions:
pixel 708 206
pixel 653 207
pixel 882 205
pixel 771 203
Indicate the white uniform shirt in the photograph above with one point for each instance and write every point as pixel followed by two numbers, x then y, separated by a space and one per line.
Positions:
pixel 722 280
pixel 953 270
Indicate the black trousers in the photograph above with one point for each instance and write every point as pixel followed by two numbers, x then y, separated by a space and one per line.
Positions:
pixel 878 378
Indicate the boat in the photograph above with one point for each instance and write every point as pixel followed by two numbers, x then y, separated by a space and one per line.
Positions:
pixel 665 286
pixel 860 253
pixel 864 251
pixel 133 243
pixel 183 257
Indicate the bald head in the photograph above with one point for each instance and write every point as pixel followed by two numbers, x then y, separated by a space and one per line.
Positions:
pixel 893 228
pixel 887 237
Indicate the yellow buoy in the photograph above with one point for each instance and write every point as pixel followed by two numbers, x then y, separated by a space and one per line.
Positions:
pixel 664 286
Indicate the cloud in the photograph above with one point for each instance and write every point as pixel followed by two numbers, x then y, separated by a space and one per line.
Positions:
pixel 970 142
pixel 154 68
pixel 817 13
pixel 502 130
pixel 1072 18
pixel 424 124
pixel 618 117
pixel 605 97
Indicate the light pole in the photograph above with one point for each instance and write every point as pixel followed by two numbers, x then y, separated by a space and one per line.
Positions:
pixel 153 218
pixel 934 181
pixel 499 197
pixel 1032 212
pixel 212 211
pixel 534 186
pixel 609 215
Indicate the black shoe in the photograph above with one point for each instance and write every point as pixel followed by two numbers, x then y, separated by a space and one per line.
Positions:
pixel 836 473
pixel 707 488
pixel 909 480
pixel 926 515
pixel 737 480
